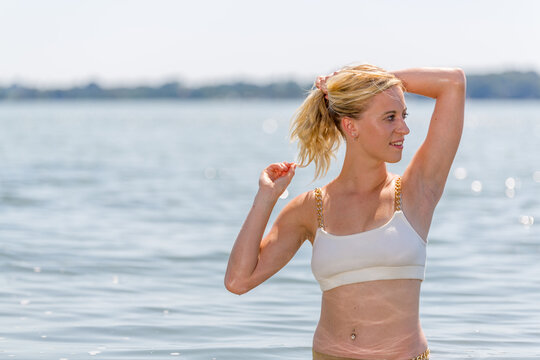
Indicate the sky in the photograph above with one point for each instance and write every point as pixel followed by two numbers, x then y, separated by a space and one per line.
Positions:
pixel 59 43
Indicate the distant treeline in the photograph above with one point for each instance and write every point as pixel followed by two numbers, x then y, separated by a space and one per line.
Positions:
pixel 506 85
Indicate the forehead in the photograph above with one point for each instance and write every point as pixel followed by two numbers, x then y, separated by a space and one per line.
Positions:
pixel 390 99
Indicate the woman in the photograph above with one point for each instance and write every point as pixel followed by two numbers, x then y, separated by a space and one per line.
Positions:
pixel 368 227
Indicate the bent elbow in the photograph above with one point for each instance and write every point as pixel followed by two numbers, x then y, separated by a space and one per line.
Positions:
pixel 235 287
pixel 459 79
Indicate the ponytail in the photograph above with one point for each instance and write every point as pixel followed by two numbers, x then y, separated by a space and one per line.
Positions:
pixel 317 132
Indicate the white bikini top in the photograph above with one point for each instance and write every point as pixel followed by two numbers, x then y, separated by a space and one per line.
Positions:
pixel 391 251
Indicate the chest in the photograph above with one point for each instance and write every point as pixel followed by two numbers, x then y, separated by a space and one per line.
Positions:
pixel 391 251
pixel 352 216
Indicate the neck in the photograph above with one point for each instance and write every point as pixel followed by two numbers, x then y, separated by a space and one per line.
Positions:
pixel 361 173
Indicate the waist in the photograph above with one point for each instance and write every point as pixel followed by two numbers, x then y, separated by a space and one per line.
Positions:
pixel 397 340
pixel 384 295
pixel 321 356
pixel 364 316
pixel 375 342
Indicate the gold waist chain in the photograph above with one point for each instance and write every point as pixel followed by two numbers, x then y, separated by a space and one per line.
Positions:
pixel 422 356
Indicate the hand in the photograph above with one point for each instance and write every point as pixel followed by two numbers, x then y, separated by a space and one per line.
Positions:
pixel 277 177
pixel 321 83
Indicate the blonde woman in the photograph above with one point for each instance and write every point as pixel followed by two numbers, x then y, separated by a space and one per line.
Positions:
pixel 368 227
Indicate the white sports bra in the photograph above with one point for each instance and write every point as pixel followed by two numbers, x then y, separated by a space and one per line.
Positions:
pixel 391 251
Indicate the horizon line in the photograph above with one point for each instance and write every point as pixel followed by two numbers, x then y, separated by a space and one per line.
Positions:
pixel 164 80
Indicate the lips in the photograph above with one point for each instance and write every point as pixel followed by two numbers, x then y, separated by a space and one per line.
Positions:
pixel 398 144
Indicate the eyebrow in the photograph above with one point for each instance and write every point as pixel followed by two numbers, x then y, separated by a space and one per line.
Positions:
pixel 393 111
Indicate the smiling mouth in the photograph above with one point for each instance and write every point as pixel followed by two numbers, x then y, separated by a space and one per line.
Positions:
pixel 397 143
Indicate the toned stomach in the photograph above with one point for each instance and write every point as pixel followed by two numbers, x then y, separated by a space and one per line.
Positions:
pixel 371 320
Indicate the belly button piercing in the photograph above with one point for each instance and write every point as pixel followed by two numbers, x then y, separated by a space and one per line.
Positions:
pixel 353 335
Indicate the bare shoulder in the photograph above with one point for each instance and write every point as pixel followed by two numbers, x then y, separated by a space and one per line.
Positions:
pixel 301 213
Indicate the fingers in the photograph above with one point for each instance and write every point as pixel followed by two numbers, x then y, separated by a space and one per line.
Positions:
pixel 276 177
pixel 291 171
pixel 291 166
pixel 283 165
pixel 281 169
pixel 286 176
pixel 320 81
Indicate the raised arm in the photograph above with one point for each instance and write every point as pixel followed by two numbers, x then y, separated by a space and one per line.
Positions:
pixel 429 168
pixel 254 259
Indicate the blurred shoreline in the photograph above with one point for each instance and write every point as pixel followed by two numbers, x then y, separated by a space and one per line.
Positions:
pixel 504 85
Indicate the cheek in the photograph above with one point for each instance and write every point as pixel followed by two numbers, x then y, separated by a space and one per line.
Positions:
pixel 376 134
pixel 373 142
pixel 376 141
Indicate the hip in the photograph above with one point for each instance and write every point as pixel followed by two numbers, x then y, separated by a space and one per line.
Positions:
pixel 321 356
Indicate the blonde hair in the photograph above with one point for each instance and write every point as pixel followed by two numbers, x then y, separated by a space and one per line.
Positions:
pixel 317 122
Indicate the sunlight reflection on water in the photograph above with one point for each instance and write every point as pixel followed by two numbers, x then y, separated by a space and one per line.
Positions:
pixel 117 219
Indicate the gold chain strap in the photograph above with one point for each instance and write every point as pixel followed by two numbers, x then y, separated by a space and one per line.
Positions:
pixel 318 197
pixel 397 199
pixel 422 356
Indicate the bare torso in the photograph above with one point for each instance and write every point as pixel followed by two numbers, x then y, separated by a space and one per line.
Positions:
pixel 373 319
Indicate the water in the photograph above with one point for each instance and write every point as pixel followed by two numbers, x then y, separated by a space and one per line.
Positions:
pixel 117 218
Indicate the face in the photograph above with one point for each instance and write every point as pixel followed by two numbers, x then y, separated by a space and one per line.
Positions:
pixel 381 129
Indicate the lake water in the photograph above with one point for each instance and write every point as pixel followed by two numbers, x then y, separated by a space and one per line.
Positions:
pixel 117 219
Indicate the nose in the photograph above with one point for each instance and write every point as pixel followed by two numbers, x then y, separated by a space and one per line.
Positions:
pixel 403 128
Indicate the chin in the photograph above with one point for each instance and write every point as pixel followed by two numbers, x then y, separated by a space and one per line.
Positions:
pixel 394 160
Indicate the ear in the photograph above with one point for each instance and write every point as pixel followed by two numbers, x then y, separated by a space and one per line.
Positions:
pixel 348 125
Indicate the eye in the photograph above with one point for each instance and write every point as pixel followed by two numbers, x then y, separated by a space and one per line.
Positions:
pixel 390 117
pixel 405 115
